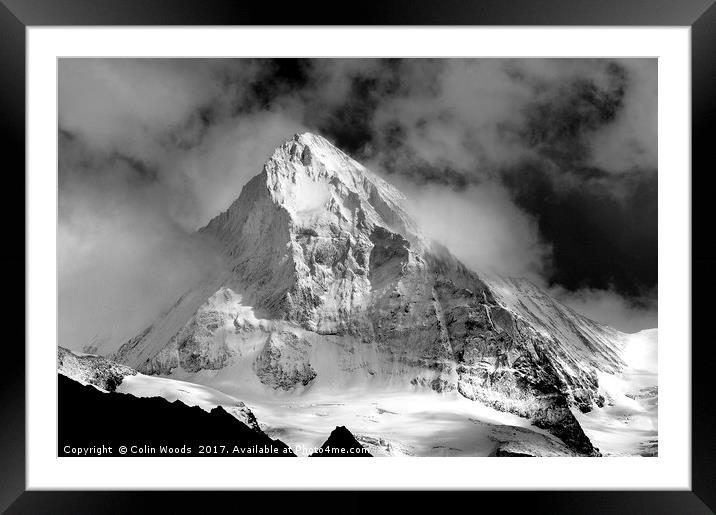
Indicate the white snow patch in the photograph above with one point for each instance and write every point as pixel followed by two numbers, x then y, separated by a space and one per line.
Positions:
pixel 310 196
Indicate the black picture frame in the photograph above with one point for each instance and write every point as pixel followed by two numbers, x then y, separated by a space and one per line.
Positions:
pixel 17 15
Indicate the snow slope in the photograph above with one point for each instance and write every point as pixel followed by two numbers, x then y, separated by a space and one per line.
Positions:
pixel 190 394
pixel 628 423
pixel 408 423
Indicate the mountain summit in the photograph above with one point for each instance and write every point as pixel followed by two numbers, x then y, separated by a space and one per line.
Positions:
pixel 329 284
pixel 300 236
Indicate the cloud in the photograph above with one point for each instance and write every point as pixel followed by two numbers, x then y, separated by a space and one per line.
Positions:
pixel 611 308
pixel 124 103
pixel 480 116
pixel 631 141
pixel 170 117
pixel 139 172
pixel 482 227
pixel 116 273
pixel 332 80
pixel 214 172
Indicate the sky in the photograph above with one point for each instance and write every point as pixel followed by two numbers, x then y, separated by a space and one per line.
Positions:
pixel 540 168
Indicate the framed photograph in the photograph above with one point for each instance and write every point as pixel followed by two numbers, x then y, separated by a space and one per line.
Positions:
pixel 437 237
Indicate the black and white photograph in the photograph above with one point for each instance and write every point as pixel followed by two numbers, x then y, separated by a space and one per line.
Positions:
pixel 385 257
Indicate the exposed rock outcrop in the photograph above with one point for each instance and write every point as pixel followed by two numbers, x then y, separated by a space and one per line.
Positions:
pixel 90 369
pixel 283 363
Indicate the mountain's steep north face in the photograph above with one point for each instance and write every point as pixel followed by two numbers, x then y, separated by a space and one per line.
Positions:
pixel 329 284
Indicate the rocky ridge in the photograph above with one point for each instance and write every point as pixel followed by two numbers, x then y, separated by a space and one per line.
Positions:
pixel 90 369
pixel 110 376
pixel 126 425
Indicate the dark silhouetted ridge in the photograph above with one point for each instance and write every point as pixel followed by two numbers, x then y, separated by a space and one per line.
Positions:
pixel 101 423
pixel 341 442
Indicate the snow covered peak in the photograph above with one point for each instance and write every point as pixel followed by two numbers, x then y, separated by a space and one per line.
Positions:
pixel 311 154
pixel 316 148
pixel 315 186
pixel 305 237
pixel 307 174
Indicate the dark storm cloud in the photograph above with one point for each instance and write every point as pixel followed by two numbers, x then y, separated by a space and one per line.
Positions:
pixel 558 126
pixel 543 168
pixel 601 239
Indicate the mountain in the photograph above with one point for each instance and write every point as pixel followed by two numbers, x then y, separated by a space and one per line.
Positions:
pixel 341 442
pixel 90 419
pixel 329 287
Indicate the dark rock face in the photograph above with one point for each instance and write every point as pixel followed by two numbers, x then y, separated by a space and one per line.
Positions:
pixel 190 343
pixel 507 372
pixel 283 363
pixel 89 418
pixel 388 257
pixel 342 443
pixel 306 156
